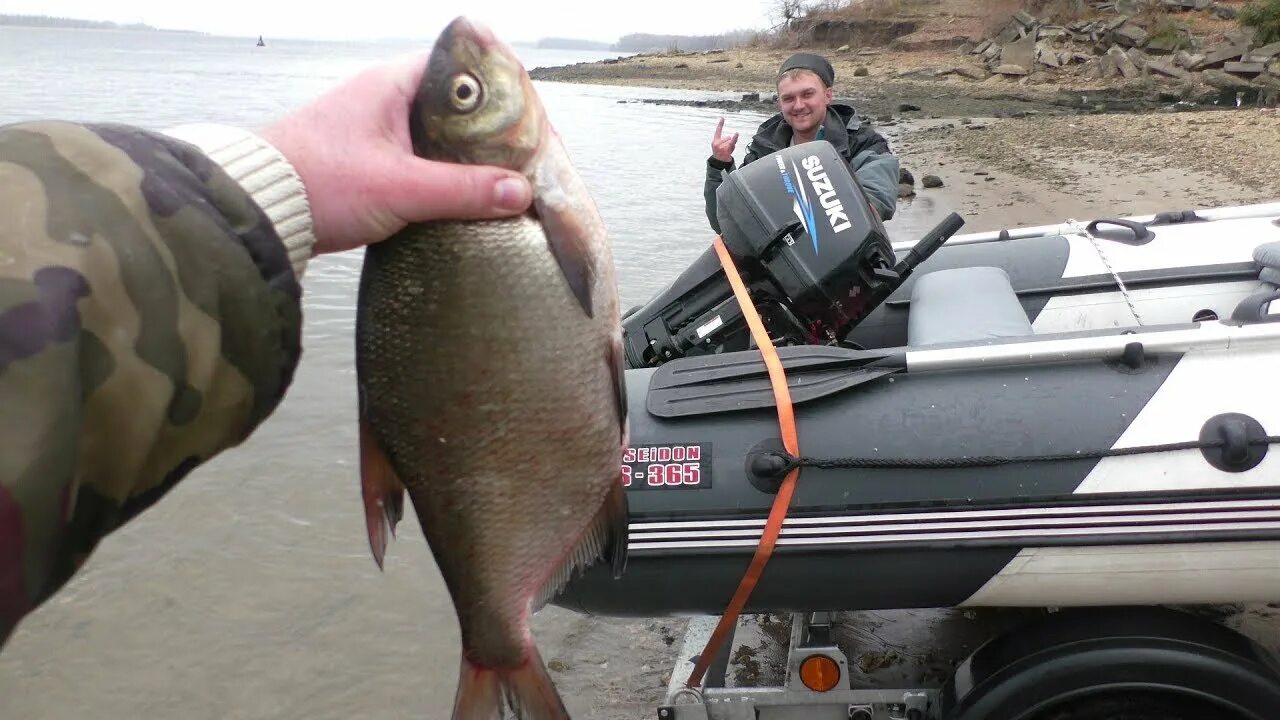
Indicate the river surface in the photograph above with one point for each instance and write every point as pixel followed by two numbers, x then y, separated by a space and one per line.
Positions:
pixel 249 591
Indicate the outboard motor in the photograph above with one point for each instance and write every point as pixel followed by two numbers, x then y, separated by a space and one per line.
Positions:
pixel 813 255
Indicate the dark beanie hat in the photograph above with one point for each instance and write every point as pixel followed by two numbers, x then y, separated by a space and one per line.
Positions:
pixel 816 64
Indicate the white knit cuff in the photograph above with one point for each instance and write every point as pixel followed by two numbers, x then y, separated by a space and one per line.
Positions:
pixel 267 176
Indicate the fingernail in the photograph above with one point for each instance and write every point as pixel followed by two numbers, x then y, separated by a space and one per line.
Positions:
pixel 511 193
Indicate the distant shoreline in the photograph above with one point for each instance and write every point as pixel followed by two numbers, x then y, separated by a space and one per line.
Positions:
pixel 47 22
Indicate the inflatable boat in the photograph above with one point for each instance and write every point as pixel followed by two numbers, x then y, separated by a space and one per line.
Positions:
pixel 1078 414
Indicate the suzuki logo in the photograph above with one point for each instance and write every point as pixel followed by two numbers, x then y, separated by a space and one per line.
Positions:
pixel 826 194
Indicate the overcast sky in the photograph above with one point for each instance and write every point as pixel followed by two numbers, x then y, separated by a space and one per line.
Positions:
pixel 514 20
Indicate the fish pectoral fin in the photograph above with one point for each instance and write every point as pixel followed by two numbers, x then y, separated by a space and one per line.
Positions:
pixel 605 537
pixel 567 239
pixel 382 491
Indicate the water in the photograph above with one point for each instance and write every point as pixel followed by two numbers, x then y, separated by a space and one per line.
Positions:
pixel 249 592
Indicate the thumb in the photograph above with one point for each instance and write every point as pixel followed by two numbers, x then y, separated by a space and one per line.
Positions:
pixel 422 190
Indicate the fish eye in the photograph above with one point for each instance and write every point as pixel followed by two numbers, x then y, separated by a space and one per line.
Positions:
pixel 466 93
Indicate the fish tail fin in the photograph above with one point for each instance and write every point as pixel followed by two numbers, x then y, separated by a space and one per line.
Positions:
pixel 530 692
pixel 527 690
pixel 382 490
pixel 479 693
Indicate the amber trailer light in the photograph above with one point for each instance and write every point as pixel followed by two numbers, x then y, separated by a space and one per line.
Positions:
pixel 819 673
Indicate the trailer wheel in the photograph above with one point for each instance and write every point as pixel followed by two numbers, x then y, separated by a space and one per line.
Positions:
pixel 1115 664
pixel 1137 706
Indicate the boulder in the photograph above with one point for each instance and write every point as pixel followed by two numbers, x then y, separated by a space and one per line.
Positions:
pixel 1167 69
pixel 1008 69
pixel 971 72
pixel 1225 80
pixel 1215 55
pixel 931 181
pixel 982 47
pixel 1138 58
pixel 1122 62
pixel 1224 12
pixel 1245 68
pixel 1047 56
pixel 1129 35
pixel 1021 53
pixel 1024 18
pixel 1262 54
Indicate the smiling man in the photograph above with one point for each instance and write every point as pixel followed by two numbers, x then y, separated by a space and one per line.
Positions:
pixel 807 114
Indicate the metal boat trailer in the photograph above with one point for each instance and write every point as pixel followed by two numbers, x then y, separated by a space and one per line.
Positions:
pixel 1082 663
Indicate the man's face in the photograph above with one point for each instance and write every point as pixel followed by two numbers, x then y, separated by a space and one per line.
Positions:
pixel 803 100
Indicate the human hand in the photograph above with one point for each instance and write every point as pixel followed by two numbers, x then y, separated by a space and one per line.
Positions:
pixel 722 147
pixel 351 148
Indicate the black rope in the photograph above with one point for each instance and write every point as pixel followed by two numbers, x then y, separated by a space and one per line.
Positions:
pixel 792 462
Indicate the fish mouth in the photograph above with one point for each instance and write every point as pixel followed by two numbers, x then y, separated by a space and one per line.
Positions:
pixel 464 28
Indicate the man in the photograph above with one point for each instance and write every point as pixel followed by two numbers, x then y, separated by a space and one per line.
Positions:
pixel 150 297
pixel 807 114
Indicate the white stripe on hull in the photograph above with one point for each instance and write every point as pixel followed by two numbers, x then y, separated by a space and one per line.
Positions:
pixel 1204 384
pixel 1136 574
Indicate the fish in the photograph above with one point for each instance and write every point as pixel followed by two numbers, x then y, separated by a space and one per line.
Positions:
pixel 490 378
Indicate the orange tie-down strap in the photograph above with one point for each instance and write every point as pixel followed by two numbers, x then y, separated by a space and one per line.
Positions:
pixel 781 502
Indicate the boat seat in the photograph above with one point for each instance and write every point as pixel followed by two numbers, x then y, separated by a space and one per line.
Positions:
pixel 1262 305
pixel 964 304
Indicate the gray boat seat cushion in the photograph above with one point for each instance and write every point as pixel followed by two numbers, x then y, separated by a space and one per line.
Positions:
pixel 1268 256
pixel 964 304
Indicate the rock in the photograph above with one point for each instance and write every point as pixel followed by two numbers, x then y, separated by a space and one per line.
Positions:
pixel 981 172
pixel 1138 57
pixel 884 118
pixel 1164 44
pixel 1262 54
pixel 1245 68
pixel 971 72
pixel 1129 35
pixel 1225 80
pixel 843 48
pixel 931 181
pixel 966 121
pixel 1046 56
pixel 907 107
pixel 1241 37
pixel 1021 53
pixel 1216 55
pixel 1011 70
pixel 1122 62
pixel 679 66
pixel 557 665
pixel 1184 59
pixel 965 48
pixel 982 47
pixel 751 97
pixel 992 52
pixel 1051 32
pixel 906 191
pixel 1024 18
pixel 738 66
pixel 1224 12
pixel 905 177
pixel 717 60
pixel 861 72
pixel 1168 69
pixel 1011 32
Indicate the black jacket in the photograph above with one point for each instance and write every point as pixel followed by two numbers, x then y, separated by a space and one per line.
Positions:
pixel 865 150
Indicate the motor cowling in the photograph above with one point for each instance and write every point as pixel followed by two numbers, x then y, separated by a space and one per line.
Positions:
pixel 814 256
pixel 800 218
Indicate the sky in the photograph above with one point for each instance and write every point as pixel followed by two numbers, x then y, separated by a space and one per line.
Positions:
pixel 513 20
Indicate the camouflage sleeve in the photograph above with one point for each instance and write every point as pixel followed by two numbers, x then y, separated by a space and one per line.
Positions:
pixel 149 318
